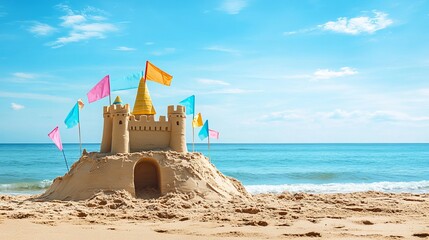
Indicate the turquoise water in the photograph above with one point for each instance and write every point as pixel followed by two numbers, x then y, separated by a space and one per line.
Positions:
pixel 30 168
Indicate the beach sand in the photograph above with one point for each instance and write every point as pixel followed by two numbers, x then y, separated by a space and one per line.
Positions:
pixel 117 215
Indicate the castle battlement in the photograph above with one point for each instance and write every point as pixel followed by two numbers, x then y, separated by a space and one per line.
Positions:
pixel 116 109
pixel 179 110
pixel 124 132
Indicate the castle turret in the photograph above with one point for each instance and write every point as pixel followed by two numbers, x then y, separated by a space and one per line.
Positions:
pixel 177 119
pixel 106 141
pixel 120 134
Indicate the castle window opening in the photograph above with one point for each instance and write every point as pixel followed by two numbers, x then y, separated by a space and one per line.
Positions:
pixel 150 128
pixel 120 122
pixel 177 123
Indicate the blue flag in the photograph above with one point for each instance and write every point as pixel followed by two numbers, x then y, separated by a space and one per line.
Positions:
pixel 189 103
pixel 73 118
pixel 204 132
pixel 129 82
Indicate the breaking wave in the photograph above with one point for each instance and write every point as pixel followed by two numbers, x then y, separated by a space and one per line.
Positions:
pixel 392 187
pixel 25 187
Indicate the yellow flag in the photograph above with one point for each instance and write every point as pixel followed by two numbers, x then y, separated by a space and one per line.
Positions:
pixel 143 104
pixel 80 103
pixel 155 74
pixel 198 121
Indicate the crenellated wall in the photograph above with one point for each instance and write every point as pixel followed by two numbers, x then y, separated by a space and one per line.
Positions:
pixel 148 134
pixel 124 132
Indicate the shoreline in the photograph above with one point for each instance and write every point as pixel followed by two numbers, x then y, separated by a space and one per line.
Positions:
pixel 360 215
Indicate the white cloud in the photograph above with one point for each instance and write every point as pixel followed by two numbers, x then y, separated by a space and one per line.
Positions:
pixel 125 49
pixel 289 115
pixel 16 107
pixel 82 25
pixel 232 6
pixel 233 91
pixel 343 115
pixel 357 25
pixel 41 29
pixel 222 49
pixel 24 75
pixel 327 73
pixel 212 82
pixel 149 43
pixel 2 12
pixel 376 116
pixel 71 20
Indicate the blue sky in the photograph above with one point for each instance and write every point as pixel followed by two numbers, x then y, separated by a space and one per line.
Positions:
pixel 261 70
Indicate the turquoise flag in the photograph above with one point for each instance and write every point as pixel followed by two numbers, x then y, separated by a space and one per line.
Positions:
pixel 204 132
pixel 129 82
pixel 189 103
pixel 73 118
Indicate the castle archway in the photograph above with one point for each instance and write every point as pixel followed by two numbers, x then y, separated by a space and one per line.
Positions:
pixel 147 179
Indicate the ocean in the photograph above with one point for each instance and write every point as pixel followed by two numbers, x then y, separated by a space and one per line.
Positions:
pixel 262 168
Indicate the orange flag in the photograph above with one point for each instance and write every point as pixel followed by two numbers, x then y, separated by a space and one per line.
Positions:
pixel 155 74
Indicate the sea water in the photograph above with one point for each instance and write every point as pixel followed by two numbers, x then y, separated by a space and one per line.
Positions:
pixel 314 168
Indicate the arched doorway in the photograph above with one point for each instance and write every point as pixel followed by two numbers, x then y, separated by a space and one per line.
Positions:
pixel 147 179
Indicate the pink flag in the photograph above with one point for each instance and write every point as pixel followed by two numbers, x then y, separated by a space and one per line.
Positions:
pixel 99 91
pixel 55 136
pixel 213 134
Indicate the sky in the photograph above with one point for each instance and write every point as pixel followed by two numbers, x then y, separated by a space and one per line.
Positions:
pixel 262 71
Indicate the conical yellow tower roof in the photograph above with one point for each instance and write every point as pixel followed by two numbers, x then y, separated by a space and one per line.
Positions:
pixel 143 104
pixel 118 100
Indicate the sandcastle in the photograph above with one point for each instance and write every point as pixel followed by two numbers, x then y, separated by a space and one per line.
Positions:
pixel 146 158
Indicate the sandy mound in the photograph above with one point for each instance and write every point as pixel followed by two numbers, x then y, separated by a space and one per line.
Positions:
pixel 144 175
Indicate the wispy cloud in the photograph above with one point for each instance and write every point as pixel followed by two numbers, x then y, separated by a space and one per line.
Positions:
pixel 82 25
pixel 327 73
pixel 34 96
pixel 124 49
pixel 222 49
pixel 352 26
pixel 358 25
pixel 343 115
pixel 2 11
pixel 376 116
pixel 149 43
pixel 232 6
pixel 16 106
pixel 24 75
pixel 232 91
pixel 41 29
pixel 212 82
pixel 164 51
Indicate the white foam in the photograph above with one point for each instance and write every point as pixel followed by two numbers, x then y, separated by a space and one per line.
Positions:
pixel 395 187
pixel 25 187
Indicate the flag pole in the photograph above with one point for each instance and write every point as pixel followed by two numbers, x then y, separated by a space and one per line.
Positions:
pixel 193 134
pixel 65 160
pixel 208 138
pixel 78 124
pixel 208 141
pixel 145 71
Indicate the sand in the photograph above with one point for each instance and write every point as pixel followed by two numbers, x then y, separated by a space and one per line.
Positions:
pixel 118 215
pixel 102 198
pixel 144 174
